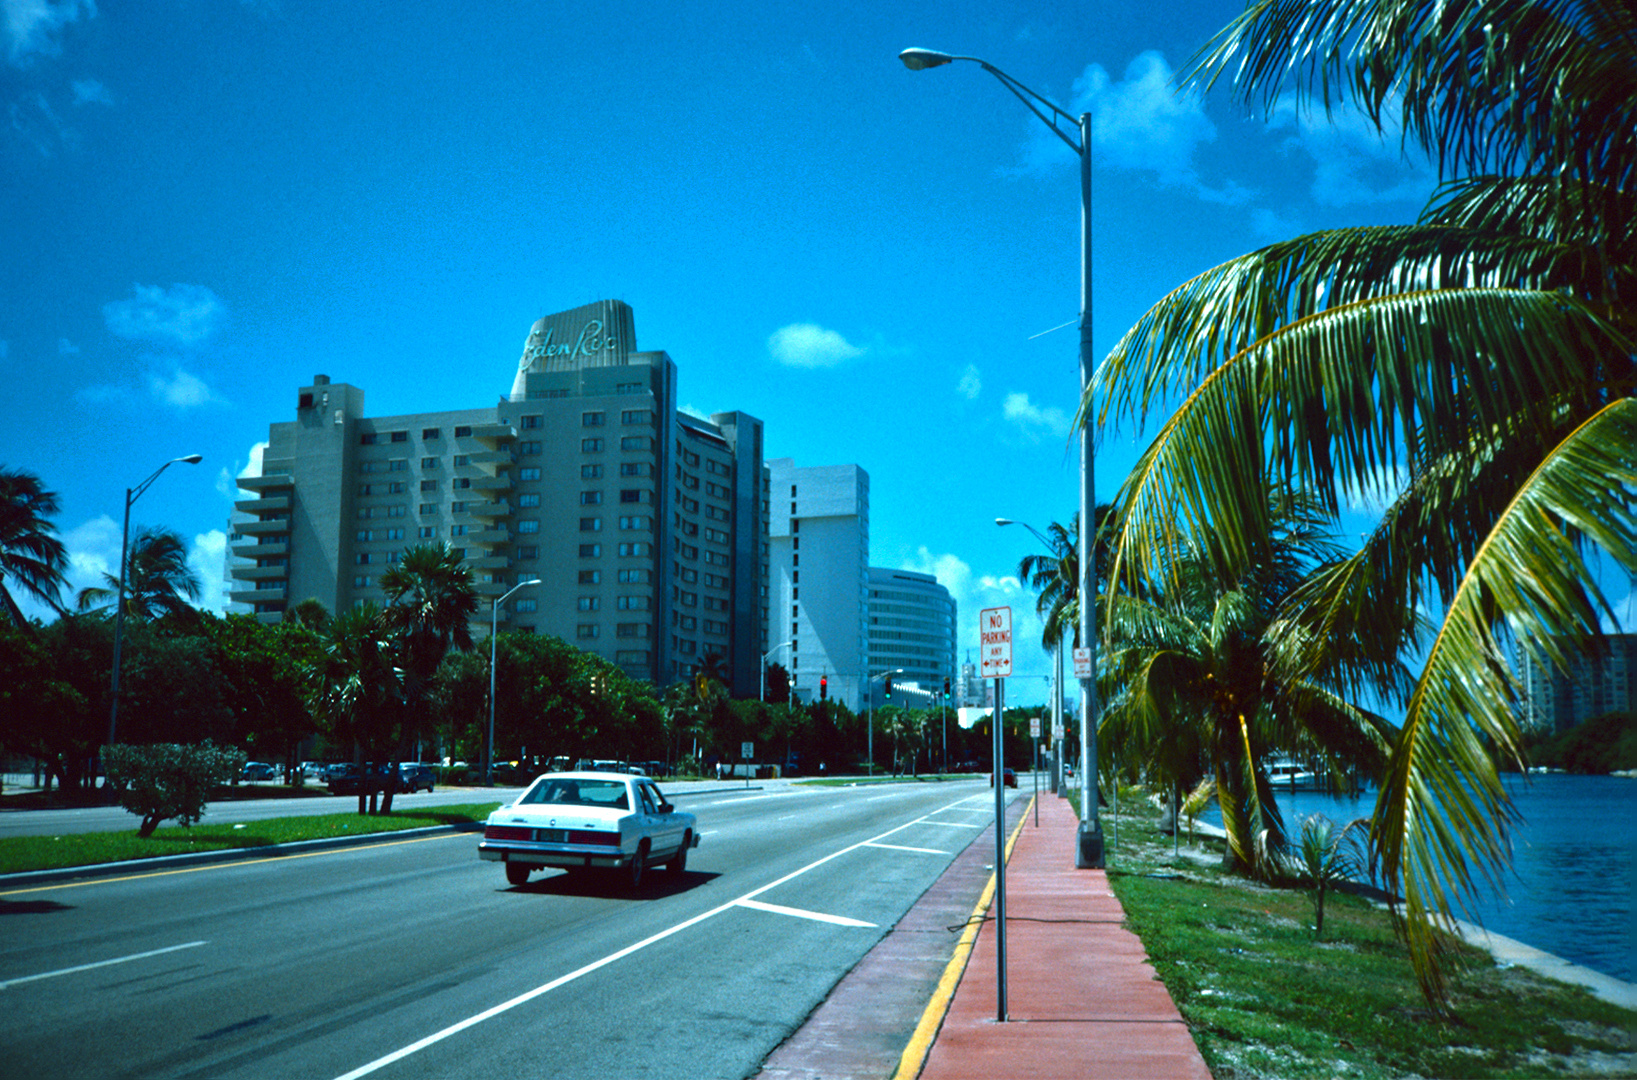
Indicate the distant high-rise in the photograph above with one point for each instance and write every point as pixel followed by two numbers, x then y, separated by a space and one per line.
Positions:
pixel 1553 701
pixel 646 527
pixel 912 632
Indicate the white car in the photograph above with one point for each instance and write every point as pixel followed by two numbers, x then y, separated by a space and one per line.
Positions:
pixel 585 820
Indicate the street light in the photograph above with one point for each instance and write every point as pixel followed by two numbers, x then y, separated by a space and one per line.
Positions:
pixel 131 496
pixel 765 655
pixel 1089 841
pixel 494 626
pixel 869 697
pixel 1057 662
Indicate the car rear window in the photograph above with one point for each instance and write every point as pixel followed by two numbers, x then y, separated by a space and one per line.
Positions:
pixel 609 793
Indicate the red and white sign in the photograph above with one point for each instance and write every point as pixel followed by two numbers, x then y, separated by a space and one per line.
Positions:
pixel 995 637
pixel 1082 663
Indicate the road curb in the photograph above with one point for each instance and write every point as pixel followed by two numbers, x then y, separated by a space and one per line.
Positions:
pixel 205 858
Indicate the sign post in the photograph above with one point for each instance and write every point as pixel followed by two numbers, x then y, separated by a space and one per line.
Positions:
pixel 747 752
pixel 1034 765
pixel 995 634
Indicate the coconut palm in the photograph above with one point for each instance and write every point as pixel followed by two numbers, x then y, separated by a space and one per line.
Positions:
pixel 1479 360
pixel 158 580
pixel 1192 688
pixel 355 689
pixel 30 555
pixel 430 603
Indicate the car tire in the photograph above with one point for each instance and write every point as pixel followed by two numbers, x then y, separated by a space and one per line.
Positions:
pixel 517 873
pixel 637 869
pixel 679 862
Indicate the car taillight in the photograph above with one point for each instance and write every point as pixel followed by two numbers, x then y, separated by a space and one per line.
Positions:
pixel 586 836
pixel 506 832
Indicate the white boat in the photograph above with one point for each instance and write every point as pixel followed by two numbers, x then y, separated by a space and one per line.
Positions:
pixel 1291 775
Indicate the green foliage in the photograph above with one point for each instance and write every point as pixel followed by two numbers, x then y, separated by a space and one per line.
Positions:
pixel 168 780
pixel 1601 745
pixel 158 581
pixel 1329 857
pixel 31 556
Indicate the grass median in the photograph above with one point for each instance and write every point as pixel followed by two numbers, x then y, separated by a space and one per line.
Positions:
pixel 1265 997
pixel 23 853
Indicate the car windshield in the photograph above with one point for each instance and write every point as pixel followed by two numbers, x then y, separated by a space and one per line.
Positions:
pixel 567 792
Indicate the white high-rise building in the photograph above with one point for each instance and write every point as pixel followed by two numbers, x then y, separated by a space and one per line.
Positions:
pixel 912 632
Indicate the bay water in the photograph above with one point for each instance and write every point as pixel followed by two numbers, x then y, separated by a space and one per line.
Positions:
pixel 1570 889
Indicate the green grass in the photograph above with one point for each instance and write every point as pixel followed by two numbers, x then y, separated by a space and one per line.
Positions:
pixel 23 853
pixel 1265 999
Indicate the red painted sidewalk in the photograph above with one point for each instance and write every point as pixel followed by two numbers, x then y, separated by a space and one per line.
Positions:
pixel 1082 999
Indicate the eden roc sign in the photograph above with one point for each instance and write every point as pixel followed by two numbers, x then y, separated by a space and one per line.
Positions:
pixel 995 639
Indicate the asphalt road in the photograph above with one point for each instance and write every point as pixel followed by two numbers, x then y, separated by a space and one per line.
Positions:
pixel 415 959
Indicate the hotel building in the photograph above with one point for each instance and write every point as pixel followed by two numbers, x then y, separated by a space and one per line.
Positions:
pixel 912 632
pixel 646 528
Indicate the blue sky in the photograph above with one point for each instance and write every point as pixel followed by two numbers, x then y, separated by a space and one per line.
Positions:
pixel 204 203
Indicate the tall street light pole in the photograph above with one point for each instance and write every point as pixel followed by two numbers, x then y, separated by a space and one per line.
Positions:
pixel 131 496
pixel 1089 841
pixel 869 698
pixel 1055 740
pixel 494 627
pixel 765 655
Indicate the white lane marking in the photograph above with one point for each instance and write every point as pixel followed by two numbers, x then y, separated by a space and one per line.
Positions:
pixel 818 916
pixel 958 824
pixel 736 802
pixel 100 963
pixel 563 980
pixel 900 847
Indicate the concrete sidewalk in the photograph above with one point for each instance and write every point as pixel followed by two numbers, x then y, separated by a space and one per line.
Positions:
pixel 1082 999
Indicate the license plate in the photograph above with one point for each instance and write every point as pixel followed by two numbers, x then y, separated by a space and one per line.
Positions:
pixel 551 836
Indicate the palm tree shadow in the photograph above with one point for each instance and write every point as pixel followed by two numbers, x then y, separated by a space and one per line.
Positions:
pixel 32 907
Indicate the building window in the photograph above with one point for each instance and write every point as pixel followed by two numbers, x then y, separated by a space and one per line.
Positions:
pixel 636 495
pixel 461 483
pixel 591 498
pixel 463 459
pixel 586 630
pixel 397 510
pixel 529 446
pixel 364 558
pixel 430 433
pixel 631 656
pixel 528 551
pixel 398 465
pixel 633 577
pixel 462 431
pixel 639 523
pixel 631 630
pixel 591 524
pixel 636 416
pixel 528 525
pixel 528 500
pixel 364 536
pixel 395 534
pixel 361 581
pixel 593 419
pixel 636 468
pixel 531 422
pixel 429 462
pixel 400 436
pixel 395 488
pixel 458 506
pixel 457 530
pixel 429 485
pixel 529 472
pixel 590 551
pixel 590 577
pixel 524 605
pixel 638 548
pixel 590 472
pixel 368 438
pixel 591 446
pixel 633 603
pixel 636 442
pixel 427 532
pixel 628 388
pixel 687 622
pixel 588 603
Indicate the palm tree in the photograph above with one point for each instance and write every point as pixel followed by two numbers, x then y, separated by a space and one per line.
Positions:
pixel 30 555
pixel 1055 578
pixel 158 580
pixel 1193 686
pixel 430 603
pixel 1482 357
pixel 355 690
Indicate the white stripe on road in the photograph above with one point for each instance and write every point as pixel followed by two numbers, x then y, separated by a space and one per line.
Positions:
pixel 900 847
pixel 959 824
pixel 546 988
pixel 817 916
pixel 100 963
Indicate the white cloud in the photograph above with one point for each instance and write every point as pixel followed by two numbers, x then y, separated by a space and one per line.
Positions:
pixel 67 348
pixel 970 385
pixel 183 316
pixel 694 411
pixel 1034 420
pixel 811 346
pixel 90 91
pixel 1141 124
pixel 30 27
pixel 972 593
pixel 180 389
pixel 207 559
pixel 1353 163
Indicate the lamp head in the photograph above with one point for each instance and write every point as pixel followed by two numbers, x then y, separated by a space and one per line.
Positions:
pixel 921 59
pixel 1004 521
pixel 192 459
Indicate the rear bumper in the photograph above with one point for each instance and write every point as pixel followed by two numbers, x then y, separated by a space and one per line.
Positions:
pixel 568 856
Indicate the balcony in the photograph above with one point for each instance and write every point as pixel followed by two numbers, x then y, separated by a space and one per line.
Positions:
pixel 260 551
pixel 498 482
pixel 258 596
pixel 491 589
pixel 490 562
pixel 489 536
pixel 497 509
pixel 491 460
pixel 494 434
pixel 265 482
pixel 271 527
pixel 266 505
pixel 260 573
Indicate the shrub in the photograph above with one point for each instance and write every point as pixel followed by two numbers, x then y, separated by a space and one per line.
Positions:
pixel 169 780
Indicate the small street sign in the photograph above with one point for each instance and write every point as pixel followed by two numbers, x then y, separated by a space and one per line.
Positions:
pixel 747 750
pixel 995 634
pixel 1082 663
pixel 1034 727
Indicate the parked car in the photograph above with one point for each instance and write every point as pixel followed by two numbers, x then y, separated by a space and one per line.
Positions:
pixel 1008 777
pixel 259 770
pixel 589 820
pixel 357 780
pixel 413 778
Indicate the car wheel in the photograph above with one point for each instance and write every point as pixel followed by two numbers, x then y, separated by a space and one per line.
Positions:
pixel 517 873
pixel 638 866
pixel 679 862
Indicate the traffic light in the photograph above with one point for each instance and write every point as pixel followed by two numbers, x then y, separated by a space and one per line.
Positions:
pixel 889 686
pixel 824 688
pixel 946 686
